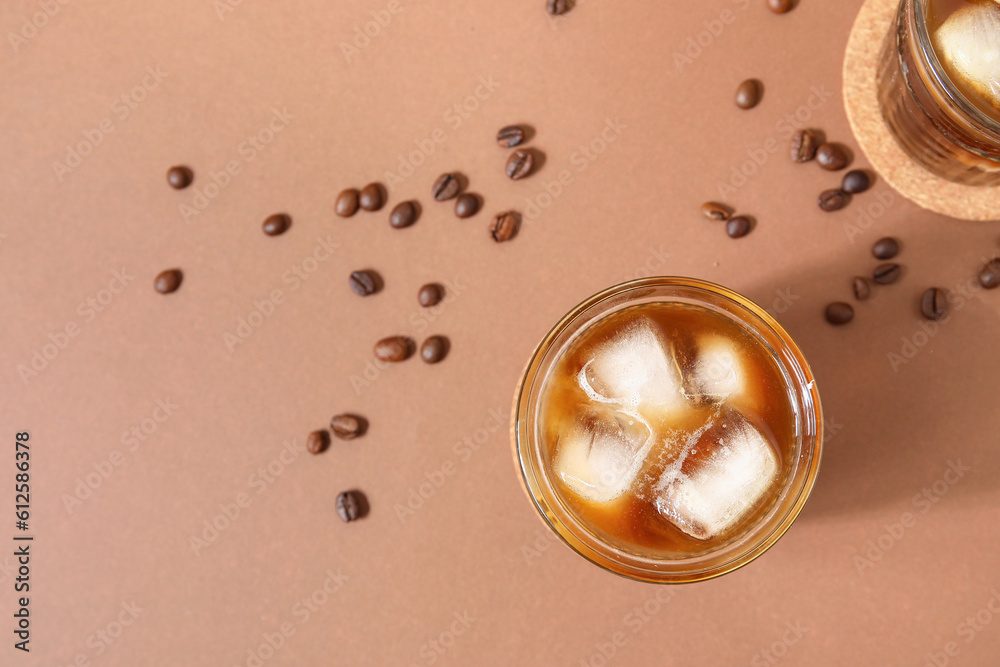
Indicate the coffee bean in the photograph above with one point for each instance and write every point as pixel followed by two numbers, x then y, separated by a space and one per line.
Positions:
pixel 748 94
pixel 347 203
pixel 519 164
pixel 445 187
pixel 804 145
pixel 504 226
pixel 317 442
pixel 739 226
pixel 886 274
pixel 831 157
pixel 277 224
pixel 780 6
pixel 168 281
pixel 434 349
pixel 557 7
pixel 403 215
pixel 833 200
pixel 363 283
pixel 510 136
pixel 430 295
pixel 885 248
pixel 714 211
pixel 862 290
pixel 989 275
pixel 348 427
pixel 855 182
pixel 839 313
pixel 179 177
pixel 934 303
pixel 349 506
pixel 466 205
pixel 394 348
pixel 371 198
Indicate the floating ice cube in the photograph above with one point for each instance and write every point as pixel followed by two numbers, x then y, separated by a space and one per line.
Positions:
pixel 968 44
pixel 717 371
pixel 601 455
pixel 726 469
pixel 633 367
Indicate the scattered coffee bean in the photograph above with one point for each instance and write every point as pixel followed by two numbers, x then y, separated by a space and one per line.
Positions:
pixel 394 348
pixel 804 145
pixel 934 303
pixel 989 275
pixel 831 157
pixel 510 136
pixel 347 203
pixel 557 7
pixel 519 164
pixel 434 349
pixel 445 187
pixel 748 94
pixel 179 177
pixel 714 211
pixel 839 313
pixel 430 295
pixel 363 283
pixel 504 226
pixel 403 215
pixel 862 290
pixel 317 442
pixel 833 200
pixel 885 248
pixel 348 427
pixel 277 224
pixel 886 274
pixel 467 205
pixel 371 198
pixel 168 281
pixel 855 182
pixel 738 226
pixel 348 506
pixel 780 6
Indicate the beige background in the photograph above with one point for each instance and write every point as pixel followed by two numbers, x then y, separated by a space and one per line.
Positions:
pixel 473 546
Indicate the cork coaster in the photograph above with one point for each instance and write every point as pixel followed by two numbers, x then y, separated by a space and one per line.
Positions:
pixel 897 168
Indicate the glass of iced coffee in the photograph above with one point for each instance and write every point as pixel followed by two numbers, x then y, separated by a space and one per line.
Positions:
pixel 939 87
pixel 668 430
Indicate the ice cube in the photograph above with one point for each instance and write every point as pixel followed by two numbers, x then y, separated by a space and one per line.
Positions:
pixel 600 456
pixel 968 44
pixel 726 468
pixel 635 366
pixel 717 371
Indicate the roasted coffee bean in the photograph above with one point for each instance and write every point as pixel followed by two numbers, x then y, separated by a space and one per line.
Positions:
pixel 403 215
pixel 510 136
pixel 738 226
pixel 855 182
pixel 886 274
pixel 434 349
pixel 862 290
pixel 748 94
pixel 168 281
pixel 557 7
pixel 504 226
pixel 831 157
pixel 371 198
pixel 347 203
pixel 519 164
pixel 839 312
pixel 989 275
pixel 179 177
pixel 445 187
pixel 430 295
pixel 277 224
pixel 466 205
pixel 347 427
pixel 885 248
pixel 714 211
pixel 394 348
pixel 780 6
pixel 804 145
pixel 363 282
pixel 934 303
pixel 833 200
pixel 317 442
pixel 348 506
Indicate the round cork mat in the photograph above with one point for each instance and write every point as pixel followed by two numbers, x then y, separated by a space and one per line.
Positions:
pixel 886 157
